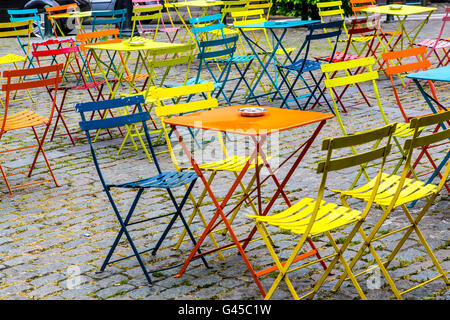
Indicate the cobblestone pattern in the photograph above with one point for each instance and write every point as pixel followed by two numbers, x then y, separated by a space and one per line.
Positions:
pixel 50 234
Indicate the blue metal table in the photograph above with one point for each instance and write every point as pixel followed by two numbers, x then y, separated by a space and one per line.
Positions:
pixel 277 40
pixel 438 74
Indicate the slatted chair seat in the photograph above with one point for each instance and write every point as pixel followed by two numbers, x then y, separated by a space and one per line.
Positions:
pixel 358 39
pixel 11 58
pixel 235 164
pixel 169 179
pixel 403 130
pixel 411 190
pixel 309 65
pixel 85 86
pixel 296 218
pixel 66 50
pixel 24 119
pixel 341 56
pixel 236 59
pixel 392 33
pixel 303 63
pixel 433 43
pixel 137 77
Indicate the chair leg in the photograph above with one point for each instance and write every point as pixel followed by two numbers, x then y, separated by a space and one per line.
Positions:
pixel 5 177
pixel 41 150
pixel 178 213
pixel 197 211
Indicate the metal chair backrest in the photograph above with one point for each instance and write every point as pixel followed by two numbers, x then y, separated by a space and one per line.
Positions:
pixel 112 19
pixel 317 32
pixel 139 117
pixel 147 13
pixel 28 14
pixel 163 110
pixel 352 159
pixel 402 65
pixel 53 12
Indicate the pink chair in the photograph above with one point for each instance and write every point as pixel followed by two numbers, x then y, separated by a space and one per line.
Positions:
pixel 162 27
pixel 434 45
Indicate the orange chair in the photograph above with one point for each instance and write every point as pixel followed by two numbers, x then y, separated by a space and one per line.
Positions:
pixel 26 118
pixel 55 19
pixel 403 65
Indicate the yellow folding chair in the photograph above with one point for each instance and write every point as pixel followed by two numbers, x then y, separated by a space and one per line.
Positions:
pixel 16 29
pixel 174 56
pixel 143 15
pixel 232 164
pixel 309 217
pixel 361 70
pixel 397 191
pixel 260 4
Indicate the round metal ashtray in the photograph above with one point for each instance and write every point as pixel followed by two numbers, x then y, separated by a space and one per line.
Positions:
pixel 395 7
pixel 252 112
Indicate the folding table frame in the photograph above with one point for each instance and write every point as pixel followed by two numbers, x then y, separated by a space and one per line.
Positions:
pixel 277 44
pixel 258 131
pixel 401 16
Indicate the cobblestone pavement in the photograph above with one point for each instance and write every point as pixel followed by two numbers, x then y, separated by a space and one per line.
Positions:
pixel 54 239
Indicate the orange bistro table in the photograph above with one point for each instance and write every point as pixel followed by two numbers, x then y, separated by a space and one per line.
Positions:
pixel 229 120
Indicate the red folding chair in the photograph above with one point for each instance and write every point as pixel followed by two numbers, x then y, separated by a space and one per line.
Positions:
pixel 16 80
pixel 69 56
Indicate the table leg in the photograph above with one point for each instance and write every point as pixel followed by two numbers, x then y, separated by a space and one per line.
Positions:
pixel 219 213
pixel 264 66
pixel 280 186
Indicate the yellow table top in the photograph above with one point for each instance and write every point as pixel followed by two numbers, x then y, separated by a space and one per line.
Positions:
pixel 405 10
pixel 195 3
pixel 147 44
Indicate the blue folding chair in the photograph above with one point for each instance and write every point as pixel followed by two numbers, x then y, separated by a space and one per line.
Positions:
pixel 105 20
pixel 209 28
pixel 301 64
pixel 161 180
pixel 24 15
